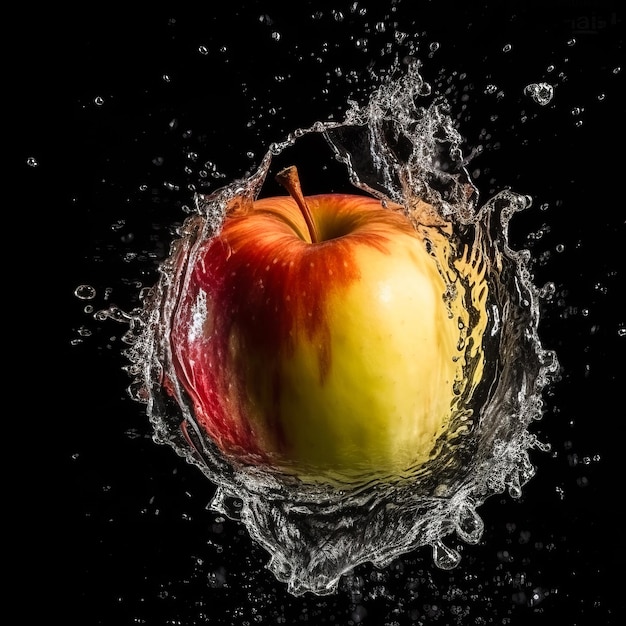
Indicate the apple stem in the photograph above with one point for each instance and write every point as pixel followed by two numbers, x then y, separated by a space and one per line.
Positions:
pixel 290 180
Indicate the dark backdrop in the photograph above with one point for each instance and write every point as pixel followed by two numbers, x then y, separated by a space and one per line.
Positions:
pixel 118 114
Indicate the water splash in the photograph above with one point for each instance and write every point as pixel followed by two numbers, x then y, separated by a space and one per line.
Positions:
pixel 401 147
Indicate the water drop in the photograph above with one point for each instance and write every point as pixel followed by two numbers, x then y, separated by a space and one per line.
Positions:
pixel 203 50
pixel 507 47
pixel 444 556
pixel 470 526
pixel 98 100
pixel 541 93
pixel 85 292
pixel 400 36
pixel 515 486
pixel 32 162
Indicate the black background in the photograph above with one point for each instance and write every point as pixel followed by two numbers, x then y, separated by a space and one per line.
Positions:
pixel 118 530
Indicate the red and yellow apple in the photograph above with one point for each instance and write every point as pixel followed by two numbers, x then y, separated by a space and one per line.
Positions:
pixel 317 334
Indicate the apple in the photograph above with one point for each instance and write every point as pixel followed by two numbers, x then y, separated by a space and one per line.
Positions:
pixel 318 335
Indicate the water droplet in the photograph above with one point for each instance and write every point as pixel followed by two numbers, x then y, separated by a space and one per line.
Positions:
pixel 203 50
pixel 548 290
pixel 617 70
pixel 400 36
pixel 445 557
pixel 470 526
pixel 98 101
pixel 507 47
pixel 571 42
pixel 85 292
pixel 514 485
pixel 276 36
pixel 32 162
pixel 541 93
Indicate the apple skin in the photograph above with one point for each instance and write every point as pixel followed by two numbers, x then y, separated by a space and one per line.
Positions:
pixel 335 357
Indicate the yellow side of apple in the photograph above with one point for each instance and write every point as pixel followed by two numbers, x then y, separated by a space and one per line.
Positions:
pixel 398 357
